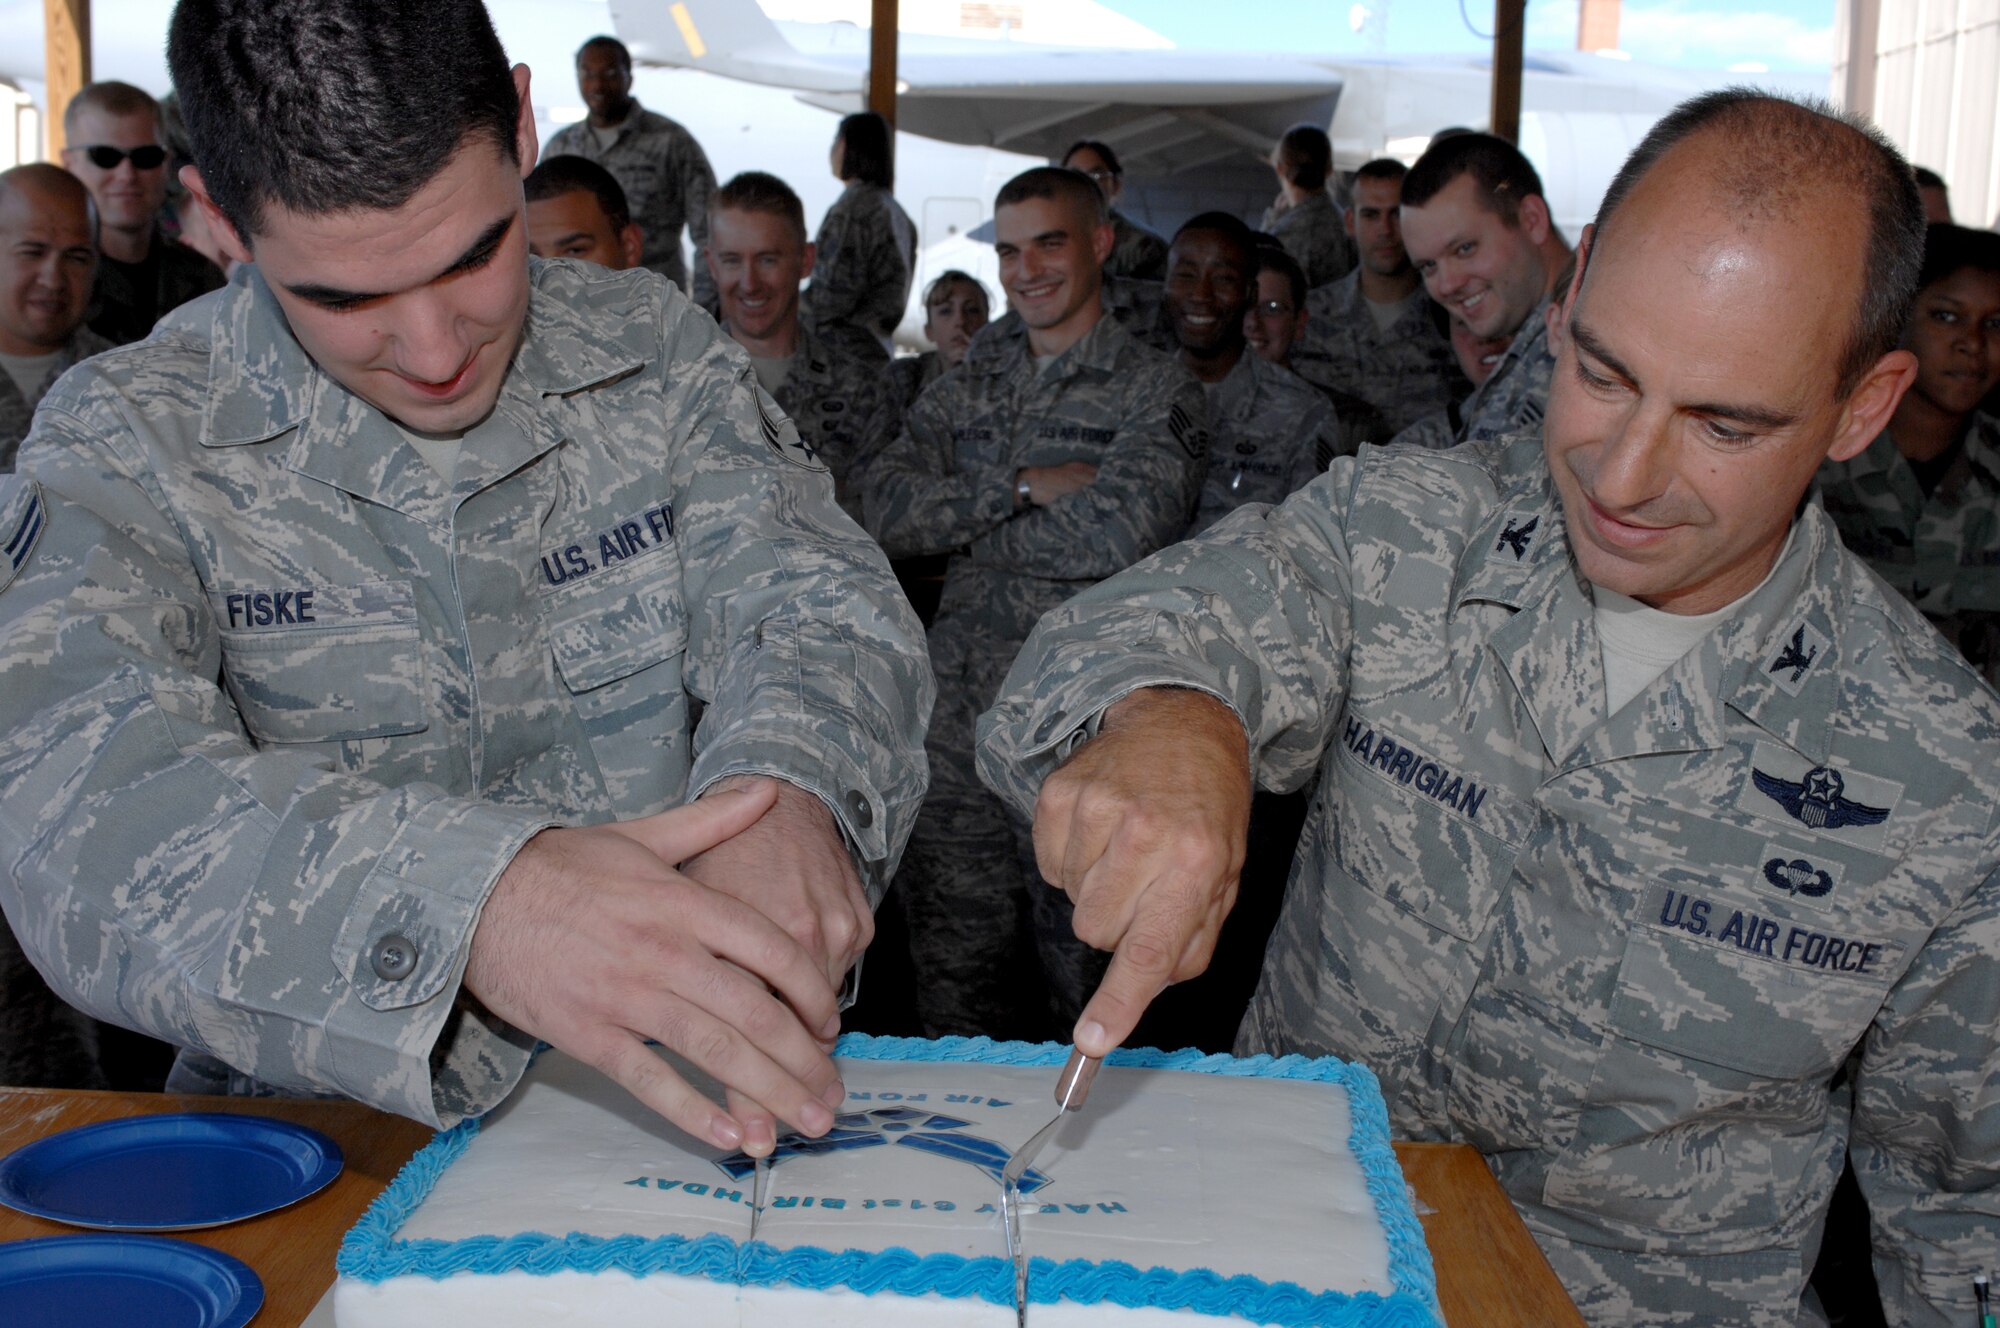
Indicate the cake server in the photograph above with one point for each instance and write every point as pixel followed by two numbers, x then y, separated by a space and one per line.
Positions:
pixel 760 1177
pixel 1071 1090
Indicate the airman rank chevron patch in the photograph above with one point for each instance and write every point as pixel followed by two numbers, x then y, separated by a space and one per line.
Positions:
pixel 781 435
pixel 23 518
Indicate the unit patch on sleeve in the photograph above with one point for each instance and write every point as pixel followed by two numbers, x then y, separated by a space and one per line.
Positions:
pixel 23 518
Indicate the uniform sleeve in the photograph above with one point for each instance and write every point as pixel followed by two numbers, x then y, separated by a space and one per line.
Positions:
pixel 308 927
pixel 1926 1140
pixel 1141 500
pixel 1255 613
pixel 697 182
pixel 807 660
pixel 918 500
pixel 840 279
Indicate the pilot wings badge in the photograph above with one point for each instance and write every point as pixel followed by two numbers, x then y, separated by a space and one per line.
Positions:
pixel 1816 800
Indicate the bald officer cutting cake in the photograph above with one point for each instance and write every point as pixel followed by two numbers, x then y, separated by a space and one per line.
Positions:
pixel 416 650
pixel 1642 804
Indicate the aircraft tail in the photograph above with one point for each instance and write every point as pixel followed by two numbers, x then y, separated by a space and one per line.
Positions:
pixel 734 38
pixel 695 33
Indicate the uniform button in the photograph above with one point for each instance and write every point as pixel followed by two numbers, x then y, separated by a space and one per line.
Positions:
pixel 395 957
pixel 858 808
pixel 1048 728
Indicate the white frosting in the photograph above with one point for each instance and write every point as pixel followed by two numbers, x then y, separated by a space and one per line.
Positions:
pixel 1162 1167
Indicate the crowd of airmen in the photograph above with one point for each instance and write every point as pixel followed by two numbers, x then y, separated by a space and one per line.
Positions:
pixel 1649 841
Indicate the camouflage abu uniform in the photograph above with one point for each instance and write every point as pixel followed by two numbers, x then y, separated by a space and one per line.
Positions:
pixel 1270 432
pixel 1942 551
pixel 126 299
pixel 636 584
pixel 1626 958
pixel 833 396
pixel 18 412
pixel 1514 399
pixel 1313 233
pixel 667 181
pixel 1405 373
pixel 948 481
pixel 1135 251
pixel 865 253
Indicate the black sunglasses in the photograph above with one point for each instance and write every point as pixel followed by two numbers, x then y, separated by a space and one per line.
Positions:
pixel 146 157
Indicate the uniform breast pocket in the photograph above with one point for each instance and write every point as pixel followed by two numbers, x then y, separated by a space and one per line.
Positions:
pixel 620 639
pixel 336 664
pixel 1421 856
pixel 1759 994
pixel 1708 1108
pixel 621 621
pixel 1435 841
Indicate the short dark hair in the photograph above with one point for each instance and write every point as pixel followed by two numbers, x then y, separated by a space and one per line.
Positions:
pixel 1781 152
pixel 1382 168
pixel 1927 178
pixel 1103 151
pixel 1231 228
pixel 112 98
pixel 1305 156
pixel 1504 176
pixel 760 191
pixel 1057 182
pixel 1282 263
pixel 950 277
pixel 1949 249
pixel 567 174
pixel 606 42
pixel 867 149
pixel 330 105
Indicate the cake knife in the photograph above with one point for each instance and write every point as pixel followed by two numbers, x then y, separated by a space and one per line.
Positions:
pixel 1071 1090
pixel 760 1176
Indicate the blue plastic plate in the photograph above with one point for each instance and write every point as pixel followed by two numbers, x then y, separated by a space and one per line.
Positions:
pixel 175 1172
pixel 122 1282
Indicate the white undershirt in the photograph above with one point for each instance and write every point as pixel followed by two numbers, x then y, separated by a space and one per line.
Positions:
pixel 772 371
pixel 1641 643
pixel 28 371
pixel 1385 315
pixel 606 135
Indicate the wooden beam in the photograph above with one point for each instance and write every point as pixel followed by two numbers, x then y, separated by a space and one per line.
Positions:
pixel 66 63
pixel 882 60
pixel 1509 37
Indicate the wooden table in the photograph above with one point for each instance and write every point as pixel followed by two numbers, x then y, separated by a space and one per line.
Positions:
pixel 1489 1271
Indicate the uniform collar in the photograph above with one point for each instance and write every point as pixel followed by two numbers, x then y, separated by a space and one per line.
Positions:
pixel 1002 346
pixel 262 384
pixel 1776 662
pixel 1235 394
pixel 809 357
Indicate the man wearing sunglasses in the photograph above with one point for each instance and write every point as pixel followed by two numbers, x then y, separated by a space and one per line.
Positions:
pixel 116 146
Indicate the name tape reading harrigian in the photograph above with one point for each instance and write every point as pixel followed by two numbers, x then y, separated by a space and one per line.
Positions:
pixel 1412 768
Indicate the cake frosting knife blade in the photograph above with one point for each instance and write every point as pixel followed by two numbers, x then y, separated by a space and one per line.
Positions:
pixel 760 1178
pixel 1072 1088
pixel 760 1175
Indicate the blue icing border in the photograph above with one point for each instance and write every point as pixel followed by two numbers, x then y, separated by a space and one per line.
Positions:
pixel 371 1252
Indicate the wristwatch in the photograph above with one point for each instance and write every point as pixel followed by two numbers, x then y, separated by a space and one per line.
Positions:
pixel 1022 491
